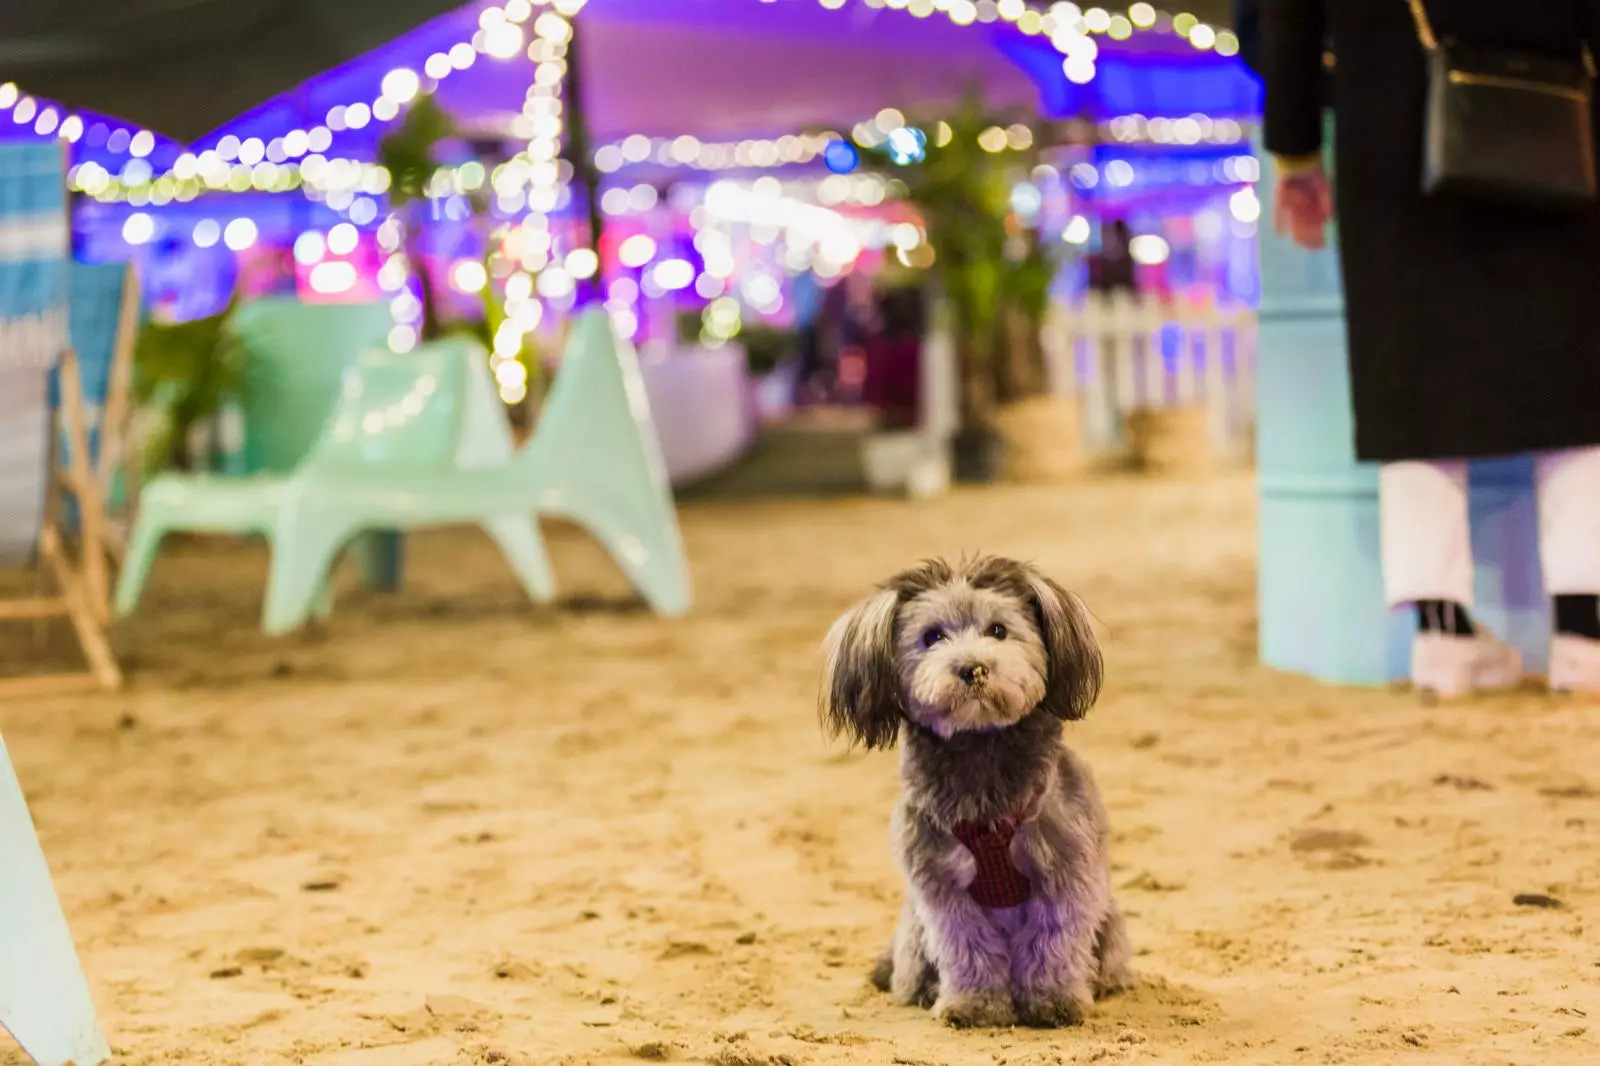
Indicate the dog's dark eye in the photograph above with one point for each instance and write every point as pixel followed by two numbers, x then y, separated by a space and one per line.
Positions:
pixel 997 631
pixel 932 637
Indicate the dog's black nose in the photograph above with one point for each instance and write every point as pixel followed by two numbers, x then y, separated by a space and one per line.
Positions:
pixel 973 673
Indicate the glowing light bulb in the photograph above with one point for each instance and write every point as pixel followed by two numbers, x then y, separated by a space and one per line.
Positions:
pixel 309 248
pixel 582 263
pixel 1245 205
pixel 343 238
pixel 504 40
pixel 239 234
pixel 402 339
pixel 207 233
pixel 138 228
pixel 552 27
pixel 1147 249
pixel 469 276
pixel 401 84
pixel 637 250
pixel 333 276
pixel 1079 71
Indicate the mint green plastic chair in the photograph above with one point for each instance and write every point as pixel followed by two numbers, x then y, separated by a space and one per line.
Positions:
pixel 295 358
pixel 596 460
pixel 394 456
pixel 420 440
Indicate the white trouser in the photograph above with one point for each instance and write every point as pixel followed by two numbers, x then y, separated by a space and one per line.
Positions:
pixel 1427 537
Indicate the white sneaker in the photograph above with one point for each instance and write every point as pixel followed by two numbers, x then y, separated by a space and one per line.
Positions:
pixel 1450 665
pixel 1574 664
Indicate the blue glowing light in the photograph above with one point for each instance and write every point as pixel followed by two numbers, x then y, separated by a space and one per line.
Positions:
pixel 840 157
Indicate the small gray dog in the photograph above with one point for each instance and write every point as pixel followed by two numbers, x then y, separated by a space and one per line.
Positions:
pixel 999 829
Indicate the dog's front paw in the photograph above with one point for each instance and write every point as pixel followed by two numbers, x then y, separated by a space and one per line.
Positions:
pixel 983 1010
pixel 1057 1011
pixel 883 972
pixel 1115 983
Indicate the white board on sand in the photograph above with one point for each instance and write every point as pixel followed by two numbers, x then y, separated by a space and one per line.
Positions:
pixel 44 999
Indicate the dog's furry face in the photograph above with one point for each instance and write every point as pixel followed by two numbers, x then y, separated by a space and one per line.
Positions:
pixel 976 646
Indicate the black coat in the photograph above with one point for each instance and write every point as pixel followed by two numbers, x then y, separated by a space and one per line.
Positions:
pixel 1474 330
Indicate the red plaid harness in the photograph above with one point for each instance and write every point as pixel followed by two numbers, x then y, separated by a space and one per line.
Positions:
pixel 998 883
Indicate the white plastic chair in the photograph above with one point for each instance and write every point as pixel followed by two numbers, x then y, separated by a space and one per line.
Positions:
pixel 44 998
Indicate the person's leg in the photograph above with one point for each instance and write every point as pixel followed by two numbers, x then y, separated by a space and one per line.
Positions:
pixel 1569 551
pixel 1426 544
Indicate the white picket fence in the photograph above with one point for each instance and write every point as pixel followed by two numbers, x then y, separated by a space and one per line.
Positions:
pixel 1125 353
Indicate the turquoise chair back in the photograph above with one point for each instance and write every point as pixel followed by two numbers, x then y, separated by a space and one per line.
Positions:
pixel 399 412
pixel 295 358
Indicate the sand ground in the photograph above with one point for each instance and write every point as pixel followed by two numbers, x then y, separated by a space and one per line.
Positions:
pixel 458 829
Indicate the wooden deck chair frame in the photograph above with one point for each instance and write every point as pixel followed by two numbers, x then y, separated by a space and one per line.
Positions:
pixel 75 576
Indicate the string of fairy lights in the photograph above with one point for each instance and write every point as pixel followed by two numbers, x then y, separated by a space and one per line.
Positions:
pixel 297 159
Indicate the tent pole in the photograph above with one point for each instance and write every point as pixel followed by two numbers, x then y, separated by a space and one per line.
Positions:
pixel 580 154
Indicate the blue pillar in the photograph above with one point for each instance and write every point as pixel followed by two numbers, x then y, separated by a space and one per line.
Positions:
pixel 1320 584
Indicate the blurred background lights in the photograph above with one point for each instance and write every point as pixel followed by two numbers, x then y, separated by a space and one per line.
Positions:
pixel 555 283
pixel 401 84
pixel 503 40
pixel 637 250
pixel 239 234
pixel 1244 205
pixel 138 228
pixel 402 338
pixel 840 157
pixel 582 263
pixel 469 276
pixel 309 248
pixel 332 277
pixel 343 238
pixel 207 232
pixel 907 145
pixel 1078 231
pixel 1147 249
pixel 673 274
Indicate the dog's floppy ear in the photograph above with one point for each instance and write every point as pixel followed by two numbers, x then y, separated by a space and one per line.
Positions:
pixel 1071 652
pixel 860 687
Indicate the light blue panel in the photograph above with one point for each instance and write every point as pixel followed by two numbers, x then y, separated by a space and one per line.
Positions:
pixel 33 328
pixel 1321 585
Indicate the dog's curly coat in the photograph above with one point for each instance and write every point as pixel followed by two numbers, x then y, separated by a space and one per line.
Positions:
pixel 973 668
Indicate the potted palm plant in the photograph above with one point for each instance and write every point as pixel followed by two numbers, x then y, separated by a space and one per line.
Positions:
pixel 992 274
pixel 187 371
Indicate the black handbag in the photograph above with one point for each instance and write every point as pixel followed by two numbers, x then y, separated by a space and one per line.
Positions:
pixel 1507 126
